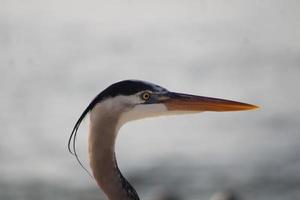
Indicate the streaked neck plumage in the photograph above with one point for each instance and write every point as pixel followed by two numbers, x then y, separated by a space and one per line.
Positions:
pixel 104 125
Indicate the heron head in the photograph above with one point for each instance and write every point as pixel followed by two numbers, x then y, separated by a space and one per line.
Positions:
pixel 134 99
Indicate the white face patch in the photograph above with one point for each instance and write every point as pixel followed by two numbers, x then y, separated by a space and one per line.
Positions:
pixel 113 106
pixel 142 111
pixel 127 108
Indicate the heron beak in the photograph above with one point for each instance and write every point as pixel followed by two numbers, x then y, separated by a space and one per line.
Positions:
pixel 192 103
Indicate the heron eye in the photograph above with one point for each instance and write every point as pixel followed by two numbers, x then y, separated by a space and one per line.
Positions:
pixel 145 96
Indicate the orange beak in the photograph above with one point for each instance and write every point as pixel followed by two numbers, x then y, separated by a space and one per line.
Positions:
pixel 187 102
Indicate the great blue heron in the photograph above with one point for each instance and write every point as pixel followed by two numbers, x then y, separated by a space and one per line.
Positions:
pixel 126 101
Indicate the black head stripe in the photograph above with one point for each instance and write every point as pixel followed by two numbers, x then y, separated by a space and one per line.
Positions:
pixel 127 87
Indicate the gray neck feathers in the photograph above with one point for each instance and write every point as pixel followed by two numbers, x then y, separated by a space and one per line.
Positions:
pixel 103 132
pixel 131 193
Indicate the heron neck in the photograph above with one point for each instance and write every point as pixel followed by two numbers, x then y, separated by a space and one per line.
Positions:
pixel 103 162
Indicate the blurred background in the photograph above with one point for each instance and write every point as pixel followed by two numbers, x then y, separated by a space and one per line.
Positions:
pixel 55 56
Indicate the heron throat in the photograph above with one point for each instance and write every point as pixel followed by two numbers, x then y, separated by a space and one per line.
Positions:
pixel 102 136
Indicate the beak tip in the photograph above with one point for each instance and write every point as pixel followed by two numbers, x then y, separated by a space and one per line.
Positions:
pixel 246 107
pixel 255 107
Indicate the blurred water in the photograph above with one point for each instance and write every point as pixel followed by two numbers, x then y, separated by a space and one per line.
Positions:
pixel 55 56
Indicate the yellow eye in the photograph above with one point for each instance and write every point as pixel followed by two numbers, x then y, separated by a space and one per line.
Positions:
pixel 145 96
